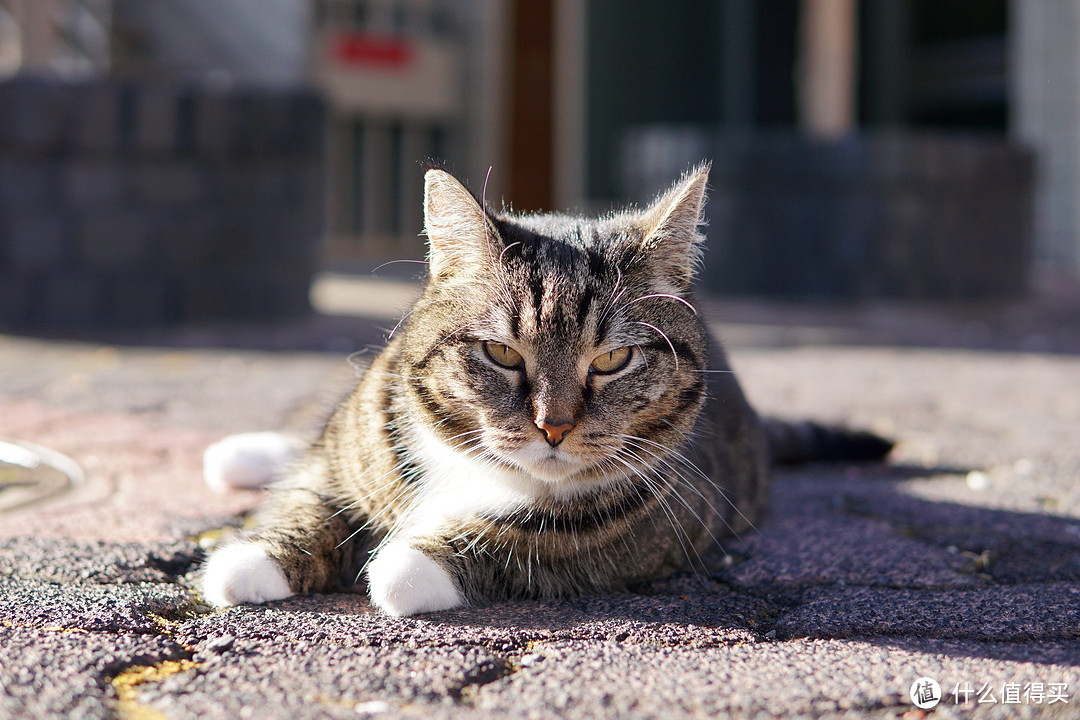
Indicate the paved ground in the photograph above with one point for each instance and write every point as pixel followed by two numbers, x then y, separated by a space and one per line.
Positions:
pixel 960 561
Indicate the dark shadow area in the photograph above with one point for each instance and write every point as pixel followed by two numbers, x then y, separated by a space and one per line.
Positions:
pixel 860 558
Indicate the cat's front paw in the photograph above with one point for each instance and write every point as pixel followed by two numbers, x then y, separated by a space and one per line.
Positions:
pixel 243 573
pixel 405 581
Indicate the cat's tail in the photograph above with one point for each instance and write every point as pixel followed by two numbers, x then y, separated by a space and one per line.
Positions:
pixel 249 460
pixel 800 442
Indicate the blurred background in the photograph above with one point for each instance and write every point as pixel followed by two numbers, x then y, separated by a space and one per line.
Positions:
pixel 166 162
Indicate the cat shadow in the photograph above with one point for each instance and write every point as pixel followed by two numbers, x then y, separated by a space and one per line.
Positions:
pixel 858 553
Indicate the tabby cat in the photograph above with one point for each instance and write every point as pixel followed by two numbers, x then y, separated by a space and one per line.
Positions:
pixel 551 419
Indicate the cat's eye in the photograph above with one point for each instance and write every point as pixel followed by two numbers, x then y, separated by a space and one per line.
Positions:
pixel 504 355
pixel 611 362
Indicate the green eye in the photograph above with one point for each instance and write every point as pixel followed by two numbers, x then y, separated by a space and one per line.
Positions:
pixel 611 362
pixel 504 355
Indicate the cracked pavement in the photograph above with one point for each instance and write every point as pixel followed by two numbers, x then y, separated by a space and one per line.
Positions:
pixel 960 560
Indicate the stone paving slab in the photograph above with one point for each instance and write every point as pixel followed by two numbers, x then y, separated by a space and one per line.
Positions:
pixel 64 560
pixel 959 561
pixel 60 672
pixel 1015 613
pixel 122 608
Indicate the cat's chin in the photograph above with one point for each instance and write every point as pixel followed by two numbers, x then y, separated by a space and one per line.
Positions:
pixel 550 465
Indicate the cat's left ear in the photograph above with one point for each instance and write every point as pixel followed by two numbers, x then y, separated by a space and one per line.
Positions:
pixel 670 228
pixel 457 226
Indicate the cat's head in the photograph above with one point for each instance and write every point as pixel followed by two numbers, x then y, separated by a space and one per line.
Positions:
pixel 562 346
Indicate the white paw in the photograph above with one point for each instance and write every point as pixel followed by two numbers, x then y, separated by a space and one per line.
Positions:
pixel 248 460
pixel 243 573
pixel 405 581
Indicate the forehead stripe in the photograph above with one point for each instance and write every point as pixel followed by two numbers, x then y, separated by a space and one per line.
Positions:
pixel 584 306
pixel 536 287
pixel 596 265
pixel 515 323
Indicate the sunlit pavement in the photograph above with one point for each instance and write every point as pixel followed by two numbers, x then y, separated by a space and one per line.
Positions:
pixel 959 562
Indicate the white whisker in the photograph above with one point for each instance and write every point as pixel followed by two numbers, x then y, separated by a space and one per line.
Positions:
pixel 670 344
pixel 377 268
pixel 666 295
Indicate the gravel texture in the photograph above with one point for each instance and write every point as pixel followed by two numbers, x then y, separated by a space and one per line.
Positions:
pixel 960 560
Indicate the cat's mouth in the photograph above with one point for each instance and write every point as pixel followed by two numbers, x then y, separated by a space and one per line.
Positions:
pixel 551 464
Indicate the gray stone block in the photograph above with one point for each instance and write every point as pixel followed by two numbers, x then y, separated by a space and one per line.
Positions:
pixel 72 300
pixel 114 239
pixel 35 241
pixel 96 129
pixel 263 124
pixel 267 235
pixel 186 104
pixel 26 183
pixel 245 294
pixel 214 296
pixel 155 117
pixel 16 299
pixel 235 182
pixel 186 239
pixel 137 301
pixel 212 124
pixel 307 128
pixel 167 182
pixel 307 184
pixel 274 292
pixel 272 181
pixel 94 183
pixel 289 296
pixel 34 115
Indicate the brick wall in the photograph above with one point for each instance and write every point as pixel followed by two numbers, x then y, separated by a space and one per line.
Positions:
pixel 130 204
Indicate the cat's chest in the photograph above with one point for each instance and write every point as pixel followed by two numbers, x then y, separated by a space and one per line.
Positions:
pixel 457 486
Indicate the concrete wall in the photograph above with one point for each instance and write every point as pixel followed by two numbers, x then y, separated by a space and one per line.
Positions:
pixel 126 204
pixel 879 215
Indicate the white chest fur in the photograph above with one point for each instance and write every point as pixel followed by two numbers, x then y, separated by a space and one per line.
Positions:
pixel 457 484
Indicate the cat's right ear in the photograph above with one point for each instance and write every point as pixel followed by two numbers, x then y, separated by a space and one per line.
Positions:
pixel 456 226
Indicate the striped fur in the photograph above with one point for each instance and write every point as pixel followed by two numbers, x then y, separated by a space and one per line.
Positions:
pixel 442 450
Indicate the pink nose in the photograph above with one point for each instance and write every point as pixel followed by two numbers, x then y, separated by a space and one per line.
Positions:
pixel 554 431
